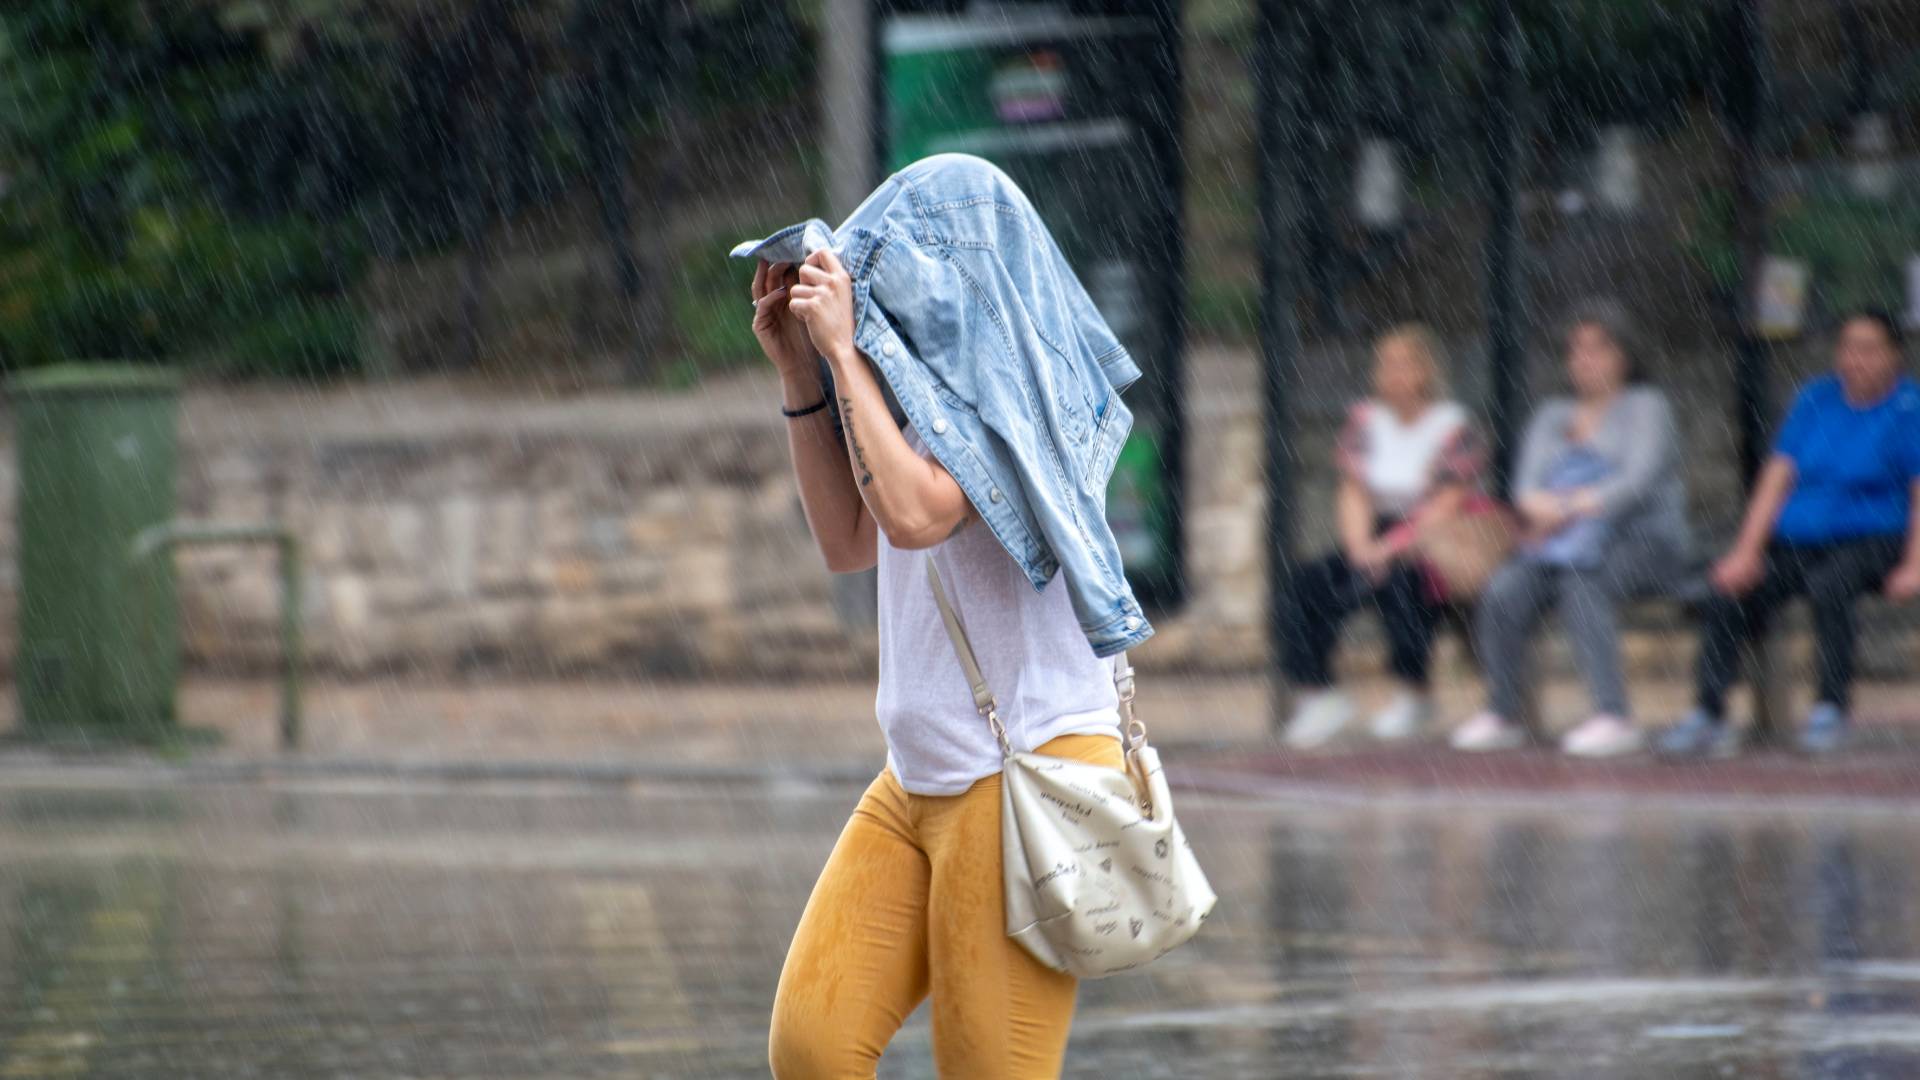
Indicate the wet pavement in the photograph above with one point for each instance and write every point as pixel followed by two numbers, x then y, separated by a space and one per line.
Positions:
pixel 151 927
pixel 706 724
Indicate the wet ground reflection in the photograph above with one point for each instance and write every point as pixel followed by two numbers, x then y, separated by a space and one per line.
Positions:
pixel 403 930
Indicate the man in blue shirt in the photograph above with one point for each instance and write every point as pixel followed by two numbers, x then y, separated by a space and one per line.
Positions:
pixel 1833 517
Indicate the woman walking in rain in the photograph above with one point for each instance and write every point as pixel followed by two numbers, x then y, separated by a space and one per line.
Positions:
pixel 910 903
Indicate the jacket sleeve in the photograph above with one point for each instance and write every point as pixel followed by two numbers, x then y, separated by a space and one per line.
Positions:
pixel 1073 525
pixel 1064 493
pixel 1649 452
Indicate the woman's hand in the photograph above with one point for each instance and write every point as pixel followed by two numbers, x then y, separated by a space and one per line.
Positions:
pixel 1545 513
pixel 823 301
pixel 1904 583
pixel 781 335
pixel 1739 571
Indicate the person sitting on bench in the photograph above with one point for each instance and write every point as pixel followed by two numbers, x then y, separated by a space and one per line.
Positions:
pixel 1406 448
pixel 1602 494
pixel 1832 517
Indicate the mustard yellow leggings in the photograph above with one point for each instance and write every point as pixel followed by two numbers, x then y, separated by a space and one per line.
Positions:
pixel 911 903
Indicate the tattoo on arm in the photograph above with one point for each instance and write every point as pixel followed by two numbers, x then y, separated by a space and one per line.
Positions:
pixel 853 440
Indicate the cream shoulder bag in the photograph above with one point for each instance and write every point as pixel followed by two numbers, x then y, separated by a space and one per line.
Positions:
pixel 1099 877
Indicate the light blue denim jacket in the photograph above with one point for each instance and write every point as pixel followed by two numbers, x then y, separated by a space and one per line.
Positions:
pixel 964 303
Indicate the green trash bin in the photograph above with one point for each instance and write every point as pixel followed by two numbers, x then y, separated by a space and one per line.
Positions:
pixel 98 631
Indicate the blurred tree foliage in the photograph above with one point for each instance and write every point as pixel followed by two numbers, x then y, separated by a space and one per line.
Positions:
pixel 142 219
pixel 209 179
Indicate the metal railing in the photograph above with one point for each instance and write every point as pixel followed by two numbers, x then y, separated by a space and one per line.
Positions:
pixel 174 534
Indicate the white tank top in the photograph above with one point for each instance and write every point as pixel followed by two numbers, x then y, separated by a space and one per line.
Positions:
pixel 1400 459
pixel 1035 658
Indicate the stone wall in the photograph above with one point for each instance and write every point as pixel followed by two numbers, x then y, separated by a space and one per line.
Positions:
pixel 648 534
pixel 449 530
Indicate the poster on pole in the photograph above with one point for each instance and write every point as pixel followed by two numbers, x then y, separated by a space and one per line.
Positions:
pixel 1780 306
pixel 1913 292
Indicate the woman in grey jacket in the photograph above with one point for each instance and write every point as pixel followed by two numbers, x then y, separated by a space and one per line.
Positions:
pixel 1602 500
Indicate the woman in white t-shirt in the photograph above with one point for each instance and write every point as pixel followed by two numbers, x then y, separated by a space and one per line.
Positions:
pixel 910 904
pixel 1402 449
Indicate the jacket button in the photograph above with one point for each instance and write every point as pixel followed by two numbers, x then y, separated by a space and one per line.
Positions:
pixel 1132 623
pixel 994 494
pixel 940 427
pixel 887 349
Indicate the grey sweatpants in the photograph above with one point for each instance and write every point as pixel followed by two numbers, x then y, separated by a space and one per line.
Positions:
pixel 1520 593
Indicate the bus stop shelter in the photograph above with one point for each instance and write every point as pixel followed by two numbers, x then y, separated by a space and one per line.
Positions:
pixel 1333 89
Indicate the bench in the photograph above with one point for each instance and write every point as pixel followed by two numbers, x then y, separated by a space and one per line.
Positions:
pixel 1770 673
pixel 1766 666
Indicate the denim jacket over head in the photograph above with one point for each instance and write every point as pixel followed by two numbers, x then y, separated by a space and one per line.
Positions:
pixel 964 303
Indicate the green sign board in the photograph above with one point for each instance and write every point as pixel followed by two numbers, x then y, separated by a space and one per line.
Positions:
pixel 1048 98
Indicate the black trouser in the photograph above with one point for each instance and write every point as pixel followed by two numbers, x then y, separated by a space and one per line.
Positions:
pixel 1326 592
pixel 1831 577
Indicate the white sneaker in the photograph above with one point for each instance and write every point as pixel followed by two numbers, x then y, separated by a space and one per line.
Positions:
pixel 1320 716
pixel 1488 732
pixel 1405 717
pixel 1603 736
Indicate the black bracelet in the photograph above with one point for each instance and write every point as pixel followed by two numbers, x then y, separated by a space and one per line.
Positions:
pixel 813 408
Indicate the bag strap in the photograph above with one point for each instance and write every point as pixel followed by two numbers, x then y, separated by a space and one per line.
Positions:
pixel 1134 733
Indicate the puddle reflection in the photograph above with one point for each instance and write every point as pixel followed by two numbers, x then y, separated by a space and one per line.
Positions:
pixel 245 931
